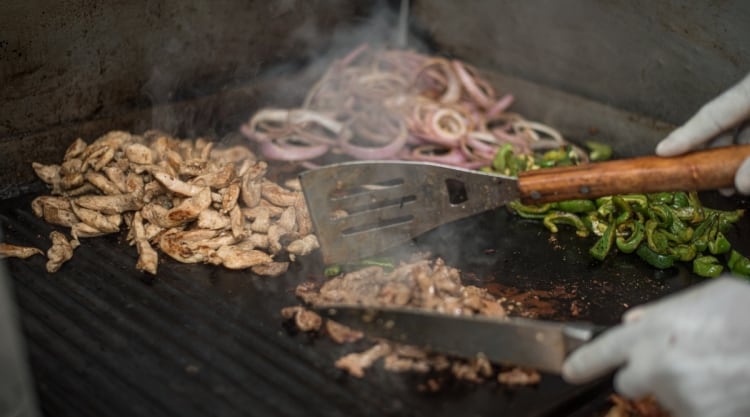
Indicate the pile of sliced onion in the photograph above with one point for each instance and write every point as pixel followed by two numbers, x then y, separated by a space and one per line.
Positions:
pixel 397 104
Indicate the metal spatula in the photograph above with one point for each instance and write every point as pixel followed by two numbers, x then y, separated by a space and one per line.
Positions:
pixel 360 209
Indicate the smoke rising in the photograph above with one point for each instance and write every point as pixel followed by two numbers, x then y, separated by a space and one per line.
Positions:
pixel 293 41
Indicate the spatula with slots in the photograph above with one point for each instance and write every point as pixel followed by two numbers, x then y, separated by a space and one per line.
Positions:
pixel 360 209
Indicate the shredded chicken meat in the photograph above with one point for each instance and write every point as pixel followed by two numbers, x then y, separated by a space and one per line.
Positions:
pixel 191 201
pixel 421 283
pixel 644 407
pixel 15 251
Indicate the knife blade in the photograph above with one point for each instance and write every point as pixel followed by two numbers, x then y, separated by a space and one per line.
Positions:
pixel 538 344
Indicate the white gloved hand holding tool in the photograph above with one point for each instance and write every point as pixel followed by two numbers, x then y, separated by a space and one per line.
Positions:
pixel 691 351
pixel 717 118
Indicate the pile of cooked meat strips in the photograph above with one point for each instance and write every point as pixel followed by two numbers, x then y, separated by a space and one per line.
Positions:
pixel 418 283
pixel 191 201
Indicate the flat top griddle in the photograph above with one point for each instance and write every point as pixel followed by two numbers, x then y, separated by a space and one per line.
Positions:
pixel 107 340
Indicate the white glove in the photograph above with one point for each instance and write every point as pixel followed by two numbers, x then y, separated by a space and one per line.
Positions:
pixel 719 115
pixel 691 351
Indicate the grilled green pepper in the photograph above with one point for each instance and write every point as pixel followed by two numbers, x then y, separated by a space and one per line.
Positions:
pixel 705 232
pixel 655 238
pixel 656 260
pixel 576 206
pixel 681 232
pixel 660 227
pixel 332 270
pixel 707 266
pixel 683 252
pixel 529 211
pixel 739 264
pixel 602 247
pixel 598 151
pixel 719 245
pixel 663 198
pixel 552 219
pixel 680 199
pixel 630 236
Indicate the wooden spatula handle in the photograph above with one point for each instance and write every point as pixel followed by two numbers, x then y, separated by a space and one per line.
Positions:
pixel 702 170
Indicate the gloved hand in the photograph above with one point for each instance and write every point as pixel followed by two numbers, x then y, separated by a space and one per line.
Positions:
pixel 718 116
pixel 690 350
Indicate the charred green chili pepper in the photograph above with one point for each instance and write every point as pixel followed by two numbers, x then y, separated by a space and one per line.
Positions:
pixel 687 207
pixel 605 206
pixel 558 157
pixel 707 266
pixel 598 151
pixel 655 239
pixel 680 199
pixel 552 219
pixel 555 155
pixel 683 252
pixel 719 245
pixel 502 157
pixel 505 162
pixel 681 232
pixel 626 212
pixel 576 206
pixel 659 227
pixel 728 218
pixel 695 203
pixel 656 260
pixel 332 270
pixel 595 223
pixel 661 214
pixel 530 211
pixel 602 247
pixel 638 202
pixel 663 198
pixel 630 236
pixel 705 232
pixel 739 264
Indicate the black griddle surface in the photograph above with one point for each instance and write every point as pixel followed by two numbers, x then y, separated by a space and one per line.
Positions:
pixel 198 340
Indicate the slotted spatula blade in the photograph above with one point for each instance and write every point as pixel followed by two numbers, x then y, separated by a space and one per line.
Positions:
pixel 359 209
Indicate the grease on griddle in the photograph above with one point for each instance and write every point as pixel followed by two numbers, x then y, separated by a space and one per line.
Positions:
pixel 554 303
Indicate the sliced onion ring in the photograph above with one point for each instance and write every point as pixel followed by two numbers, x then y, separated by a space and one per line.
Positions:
pixel 292 149
pixel 480 146
pixel 439 70
pixel 477 88
pixel 500 105
pixel 267 124
pixel 387 151
pixel 533 129
pixel 447 125
pixel 384 104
